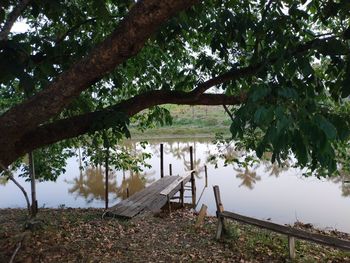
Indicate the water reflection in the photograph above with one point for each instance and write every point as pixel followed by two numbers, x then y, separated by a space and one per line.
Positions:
pixel 277 193
pixel 133 184
pixel 91 184
pixel 248 177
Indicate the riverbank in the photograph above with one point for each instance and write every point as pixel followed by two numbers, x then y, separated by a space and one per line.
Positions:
pixel 188 121
pixel 81 235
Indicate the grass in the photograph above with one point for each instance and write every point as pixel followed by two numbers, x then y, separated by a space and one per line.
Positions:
pixel 190 121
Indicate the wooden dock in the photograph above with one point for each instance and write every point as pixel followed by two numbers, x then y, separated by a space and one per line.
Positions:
pixel 152 198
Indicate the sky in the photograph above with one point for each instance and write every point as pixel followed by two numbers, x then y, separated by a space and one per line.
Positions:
pixel 20 27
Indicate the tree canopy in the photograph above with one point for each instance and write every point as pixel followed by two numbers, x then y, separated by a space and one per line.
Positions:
pixel 88 66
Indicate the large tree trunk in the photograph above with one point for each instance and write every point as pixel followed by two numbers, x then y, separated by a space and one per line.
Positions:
pixel 34 206
pixel 126 41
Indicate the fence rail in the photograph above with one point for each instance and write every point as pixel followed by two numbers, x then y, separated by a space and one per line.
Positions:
pixel 291 232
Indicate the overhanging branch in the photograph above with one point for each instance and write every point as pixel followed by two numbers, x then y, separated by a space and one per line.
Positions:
pixel 78 125
pixel 144 18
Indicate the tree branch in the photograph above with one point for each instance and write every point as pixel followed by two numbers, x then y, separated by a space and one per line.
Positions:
pixel 239 73
pixel 92 121
pixel 228 112
pixel 10 176
pixel 16 12
pixel 144 18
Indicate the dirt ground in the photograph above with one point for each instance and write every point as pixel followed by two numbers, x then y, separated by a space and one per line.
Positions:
pixel 81 235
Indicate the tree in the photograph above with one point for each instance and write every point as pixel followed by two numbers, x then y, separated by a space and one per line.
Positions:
pixel 92 65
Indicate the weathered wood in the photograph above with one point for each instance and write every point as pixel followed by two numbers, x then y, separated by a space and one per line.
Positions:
pixel 161 161
pixel 128 207
pixel 169 204
pixel 150 198
pixel 291 246
pixel 193 183
pixel 201 215
pixel 286 230
pixel 219 229
pixel 219 206
pixel 182 190
pixel 139 204
pixel 170 169
pixel 158 202
pixel 171 187
pixel 206 175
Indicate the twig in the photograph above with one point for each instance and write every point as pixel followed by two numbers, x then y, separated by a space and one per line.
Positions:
pixel 19 244
pixel 228 112
pixel 10 176
pixel 16 12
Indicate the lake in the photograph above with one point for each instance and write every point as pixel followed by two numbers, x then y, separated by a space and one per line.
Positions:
pixel 264 191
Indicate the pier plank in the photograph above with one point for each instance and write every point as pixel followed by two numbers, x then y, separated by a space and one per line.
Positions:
pixel 149 198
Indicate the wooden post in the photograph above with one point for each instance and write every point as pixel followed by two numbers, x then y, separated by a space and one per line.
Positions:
pixel 219 210
pixel 291 245
pixel 182 190
pixel 206 175
pixel 169 204
pixel 127 192
pixel 219 228
pixel 161 161
pixel 106 183
pixel 193 183
pixel 170 169
pixel 201 216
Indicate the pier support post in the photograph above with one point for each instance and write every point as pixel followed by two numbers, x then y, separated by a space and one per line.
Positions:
pixel 182 190
pixel 170 169
pixel 161 161
pixel 193 182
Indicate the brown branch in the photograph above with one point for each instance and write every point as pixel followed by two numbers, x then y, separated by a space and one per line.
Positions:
pixel 10 176
pixel 233 74
pixel 19 244
pixel 89 122
pixel 239 73
pixel 228 112
pixel 144 18
pixel 16 12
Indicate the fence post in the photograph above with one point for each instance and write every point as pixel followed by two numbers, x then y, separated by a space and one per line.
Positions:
pixel 291 246
pixel 219 210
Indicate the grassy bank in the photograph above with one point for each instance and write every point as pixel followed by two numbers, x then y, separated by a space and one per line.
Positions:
pixel 189 121
pixel 81 235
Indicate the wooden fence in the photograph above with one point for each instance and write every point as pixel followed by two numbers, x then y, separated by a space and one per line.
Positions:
pixel 291 232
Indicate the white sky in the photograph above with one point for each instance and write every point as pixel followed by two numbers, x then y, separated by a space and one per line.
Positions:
pixel 19 27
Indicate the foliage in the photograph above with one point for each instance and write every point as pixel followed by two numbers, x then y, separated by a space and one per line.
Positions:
pixel 295 55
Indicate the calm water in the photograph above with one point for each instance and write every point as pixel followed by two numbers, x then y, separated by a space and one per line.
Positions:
pixel 263 191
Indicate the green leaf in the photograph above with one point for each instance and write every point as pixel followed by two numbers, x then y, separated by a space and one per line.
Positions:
pixel 288 93
pixel 326 126
pixel 260 92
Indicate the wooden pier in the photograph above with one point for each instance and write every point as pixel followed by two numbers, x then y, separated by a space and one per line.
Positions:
pixel 153 197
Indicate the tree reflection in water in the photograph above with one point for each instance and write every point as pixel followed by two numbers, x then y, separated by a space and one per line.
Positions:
pixel 133 184
pixel 91 184
pixel 248 177
pixel 343 179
